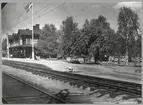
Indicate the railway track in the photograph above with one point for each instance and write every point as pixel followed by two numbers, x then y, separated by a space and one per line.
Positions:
pixel 113 87
pixel 28 94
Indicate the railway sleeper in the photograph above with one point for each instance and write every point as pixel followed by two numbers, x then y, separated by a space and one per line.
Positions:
pixel 99 83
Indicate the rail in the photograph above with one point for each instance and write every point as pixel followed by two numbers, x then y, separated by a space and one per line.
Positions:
pixel 133 89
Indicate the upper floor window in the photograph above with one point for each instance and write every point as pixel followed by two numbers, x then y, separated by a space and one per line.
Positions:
pixel 28 41
pixel 24 41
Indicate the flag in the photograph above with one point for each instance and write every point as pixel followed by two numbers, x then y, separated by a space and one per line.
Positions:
pixel 28 7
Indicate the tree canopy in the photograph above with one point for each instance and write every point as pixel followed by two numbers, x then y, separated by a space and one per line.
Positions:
pixel 47 44
pixel 95 38
pixel 128 26
pixel 70 36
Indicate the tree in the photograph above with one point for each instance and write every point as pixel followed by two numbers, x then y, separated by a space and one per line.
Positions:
pixel 47 44
pixel 110 40
pixel 59 41
pixel 128 26
pixel 119 46
pixel 137 47
pixel 4 47
pixel 101 38
pixel 4 44
pixel 70 36
pixel 81 46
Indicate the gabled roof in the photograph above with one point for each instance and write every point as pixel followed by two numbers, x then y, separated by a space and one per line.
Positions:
pixel 28 32
pixel 10 37
pixel 25 32
pixel 13 36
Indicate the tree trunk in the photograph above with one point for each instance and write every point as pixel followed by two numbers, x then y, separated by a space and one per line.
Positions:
pixel 96 55
pixel 49 57
pixel 127 60
pixel 95 60
pixel 118 59
pixel 130 59
pixel 84 59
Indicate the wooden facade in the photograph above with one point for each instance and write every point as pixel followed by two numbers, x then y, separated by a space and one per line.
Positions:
pixel 20 44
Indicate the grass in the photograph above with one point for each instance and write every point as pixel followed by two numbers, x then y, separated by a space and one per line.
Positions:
pixel 131 64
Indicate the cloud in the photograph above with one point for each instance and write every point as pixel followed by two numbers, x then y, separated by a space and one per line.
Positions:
pixel 132 5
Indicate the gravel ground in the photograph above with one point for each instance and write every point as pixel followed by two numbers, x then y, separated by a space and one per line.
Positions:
pixel 117 73
pixel 49 85
pixel 16 92
pixel 55 86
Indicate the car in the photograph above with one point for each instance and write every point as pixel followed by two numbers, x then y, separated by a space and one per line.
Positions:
pixel 72 60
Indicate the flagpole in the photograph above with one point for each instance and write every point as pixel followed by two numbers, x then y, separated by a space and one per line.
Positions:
pixel 32 35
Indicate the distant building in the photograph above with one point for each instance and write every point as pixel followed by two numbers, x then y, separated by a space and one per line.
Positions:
pixel 20 44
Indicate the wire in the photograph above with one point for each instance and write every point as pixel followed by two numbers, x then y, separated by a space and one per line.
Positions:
pixel 38 11
pixel 20 15
pixel 17 19
pixel 42 8
pixel 30 16
pixel 43 11
pixel 54 8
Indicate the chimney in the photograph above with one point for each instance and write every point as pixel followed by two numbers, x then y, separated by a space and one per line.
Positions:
pixel 36 26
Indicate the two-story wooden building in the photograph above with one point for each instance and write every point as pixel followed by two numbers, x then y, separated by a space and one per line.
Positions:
pixel 20 44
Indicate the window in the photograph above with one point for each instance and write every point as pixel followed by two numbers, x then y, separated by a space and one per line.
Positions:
pixel 28 41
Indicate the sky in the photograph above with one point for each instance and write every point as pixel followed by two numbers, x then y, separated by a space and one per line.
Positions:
pixel 14 15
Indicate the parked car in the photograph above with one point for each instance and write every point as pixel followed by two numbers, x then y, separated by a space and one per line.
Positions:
pixel 72 60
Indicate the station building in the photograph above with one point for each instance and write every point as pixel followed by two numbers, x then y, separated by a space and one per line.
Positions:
pixel 20 44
